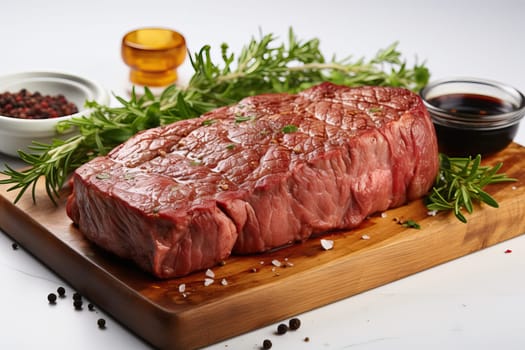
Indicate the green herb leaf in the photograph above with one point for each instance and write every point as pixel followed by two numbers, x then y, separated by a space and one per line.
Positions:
pixel 459 184
pixel 375 110
pixel 242 119
pixel 411 224
pixel 208 122
pixel 287 129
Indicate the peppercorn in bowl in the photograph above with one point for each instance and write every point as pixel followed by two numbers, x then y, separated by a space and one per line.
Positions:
pixel 32 103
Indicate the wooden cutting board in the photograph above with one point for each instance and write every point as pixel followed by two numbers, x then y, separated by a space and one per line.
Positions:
pixel 257 292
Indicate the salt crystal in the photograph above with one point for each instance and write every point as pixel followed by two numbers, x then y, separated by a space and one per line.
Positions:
pixel 224 282
pixel 384 215
pixel 432 213
pixel 208 281
pixel 210 273
pixel 182 288
pixel 514 188
pixel 365 237
pixel 327 244
pixel 276 262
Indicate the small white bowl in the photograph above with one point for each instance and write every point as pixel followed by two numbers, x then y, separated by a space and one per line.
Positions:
pixel 17 134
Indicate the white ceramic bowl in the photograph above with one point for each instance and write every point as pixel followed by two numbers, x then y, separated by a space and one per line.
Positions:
pixel 17 134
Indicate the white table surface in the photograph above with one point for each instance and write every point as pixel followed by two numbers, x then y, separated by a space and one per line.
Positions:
pixel 475 302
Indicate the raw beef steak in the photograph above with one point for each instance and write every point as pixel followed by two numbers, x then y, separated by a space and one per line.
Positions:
pixel 269 171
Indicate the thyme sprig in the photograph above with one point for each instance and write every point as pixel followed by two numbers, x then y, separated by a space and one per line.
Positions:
pixel 261 67
pixel 459 184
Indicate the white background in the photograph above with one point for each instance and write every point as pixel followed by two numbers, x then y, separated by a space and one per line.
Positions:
pixel 476 302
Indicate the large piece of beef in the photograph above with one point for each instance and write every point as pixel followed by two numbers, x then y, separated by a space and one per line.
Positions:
pixel 271 170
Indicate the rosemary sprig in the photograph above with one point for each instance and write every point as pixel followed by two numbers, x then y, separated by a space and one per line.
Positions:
pixel 460 184
pixel 260 67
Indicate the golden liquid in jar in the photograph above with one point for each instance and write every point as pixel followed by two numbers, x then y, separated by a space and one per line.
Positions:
pixel 153 54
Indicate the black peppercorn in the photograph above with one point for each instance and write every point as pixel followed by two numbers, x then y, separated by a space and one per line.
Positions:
pixel 77 304
pixel 295 323
pixel 61 292
pixel 77 296
pixel 52 298
pixel 101 323
pixel 14 246
pixel 267 344
pixel 91 307
pixel 282 328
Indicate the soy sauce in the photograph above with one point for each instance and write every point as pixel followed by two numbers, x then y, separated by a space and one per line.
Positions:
pixel 465 140
pixel 476 105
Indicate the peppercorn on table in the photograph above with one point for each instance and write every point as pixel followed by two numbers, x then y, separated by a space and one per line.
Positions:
pixel 475 301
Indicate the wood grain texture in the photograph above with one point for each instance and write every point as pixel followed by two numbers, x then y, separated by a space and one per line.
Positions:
pixel 257 292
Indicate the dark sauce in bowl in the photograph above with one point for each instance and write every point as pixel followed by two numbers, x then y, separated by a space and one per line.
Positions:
pixel 461 141
pixel 473 116
pixel 472 104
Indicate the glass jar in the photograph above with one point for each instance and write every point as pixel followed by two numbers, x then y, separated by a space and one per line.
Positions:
pixel 473 116
pixel 153 55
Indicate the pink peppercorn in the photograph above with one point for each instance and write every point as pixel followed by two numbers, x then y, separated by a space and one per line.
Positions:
pixel 26 105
